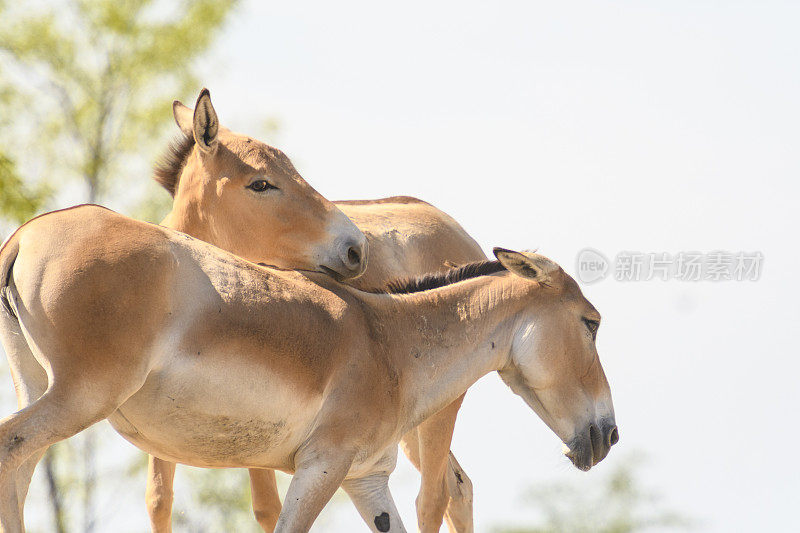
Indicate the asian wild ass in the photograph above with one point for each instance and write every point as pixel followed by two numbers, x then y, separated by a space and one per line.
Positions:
pixel 246 197
pixel 203 358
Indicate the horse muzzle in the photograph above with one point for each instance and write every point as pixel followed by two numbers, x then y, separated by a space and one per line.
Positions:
pixel 593 444
pixel 350 261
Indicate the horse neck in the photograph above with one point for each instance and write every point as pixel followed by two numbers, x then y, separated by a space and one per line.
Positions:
pixel 189 215
pixel 444 340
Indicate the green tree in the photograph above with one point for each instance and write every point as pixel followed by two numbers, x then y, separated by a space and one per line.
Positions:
pixel 221 499
pixel 99 76
pixel 614 504
pixel 18 202
pixel 89 85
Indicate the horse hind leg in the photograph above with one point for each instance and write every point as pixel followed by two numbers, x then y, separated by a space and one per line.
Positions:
pixel 30 382
pixel 159 494
pixel 55 416
pixel 265 499
pixel 74 398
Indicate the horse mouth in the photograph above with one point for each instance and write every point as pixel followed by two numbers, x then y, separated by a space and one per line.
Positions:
pixel 332 273
pixel 580 459
pixel 588 449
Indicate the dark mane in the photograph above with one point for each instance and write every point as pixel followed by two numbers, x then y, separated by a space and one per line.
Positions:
pixel 167 171
pixel 440 279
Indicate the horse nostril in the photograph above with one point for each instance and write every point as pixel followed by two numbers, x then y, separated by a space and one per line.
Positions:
pixel 353 256
pixel 613 436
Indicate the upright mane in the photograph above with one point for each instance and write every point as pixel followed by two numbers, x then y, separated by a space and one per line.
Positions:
pixel 440 279
pixel 167 171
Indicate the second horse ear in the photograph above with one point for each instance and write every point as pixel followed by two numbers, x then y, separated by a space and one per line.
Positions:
pixel 205 124
pixel 527 265
pixel 183 118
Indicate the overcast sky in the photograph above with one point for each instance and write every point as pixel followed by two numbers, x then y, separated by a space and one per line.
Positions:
pixel 633 126
pixel 651 127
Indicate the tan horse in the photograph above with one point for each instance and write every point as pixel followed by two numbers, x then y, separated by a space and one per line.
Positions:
pixel 245 197
pixel 226 199
pixel 108 317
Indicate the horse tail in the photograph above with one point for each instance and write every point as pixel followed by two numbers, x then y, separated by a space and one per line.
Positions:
pixel 8 254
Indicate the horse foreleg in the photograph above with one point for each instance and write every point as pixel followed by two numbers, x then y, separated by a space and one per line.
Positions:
pixel 410 446
pixel 374 502
pixel 317 476
pixel 264 494
pixel 459 487
pixel 158 495
pixel 435 435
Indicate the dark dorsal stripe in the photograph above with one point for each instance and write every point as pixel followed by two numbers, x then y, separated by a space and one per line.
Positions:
pixel 167 171
pixel 440 279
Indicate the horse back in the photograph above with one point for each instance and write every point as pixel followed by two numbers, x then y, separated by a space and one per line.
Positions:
pixel 408 237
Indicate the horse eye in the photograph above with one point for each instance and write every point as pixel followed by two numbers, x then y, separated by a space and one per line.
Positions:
pixel 261 186
pixel 593 326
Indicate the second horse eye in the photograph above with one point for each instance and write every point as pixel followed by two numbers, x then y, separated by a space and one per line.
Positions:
pixel 261 185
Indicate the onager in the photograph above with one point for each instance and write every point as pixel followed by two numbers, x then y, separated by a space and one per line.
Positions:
pixel 200 357
pixel 246 197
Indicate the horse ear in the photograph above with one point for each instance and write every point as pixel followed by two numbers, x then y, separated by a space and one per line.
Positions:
pixel 531 266
pixel 183 117
pixel 205 124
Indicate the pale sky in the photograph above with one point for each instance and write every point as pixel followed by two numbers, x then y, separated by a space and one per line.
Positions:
pixel 631 126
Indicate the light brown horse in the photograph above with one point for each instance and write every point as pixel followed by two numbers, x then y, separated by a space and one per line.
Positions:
pixel 245 197
pixel 203 358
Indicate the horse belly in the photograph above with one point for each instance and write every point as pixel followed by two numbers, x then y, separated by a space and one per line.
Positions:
pixel 188 413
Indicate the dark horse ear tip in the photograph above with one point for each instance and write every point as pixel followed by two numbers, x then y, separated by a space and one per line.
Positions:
pixel 176 105
pixel 204 93
pixel 498 250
